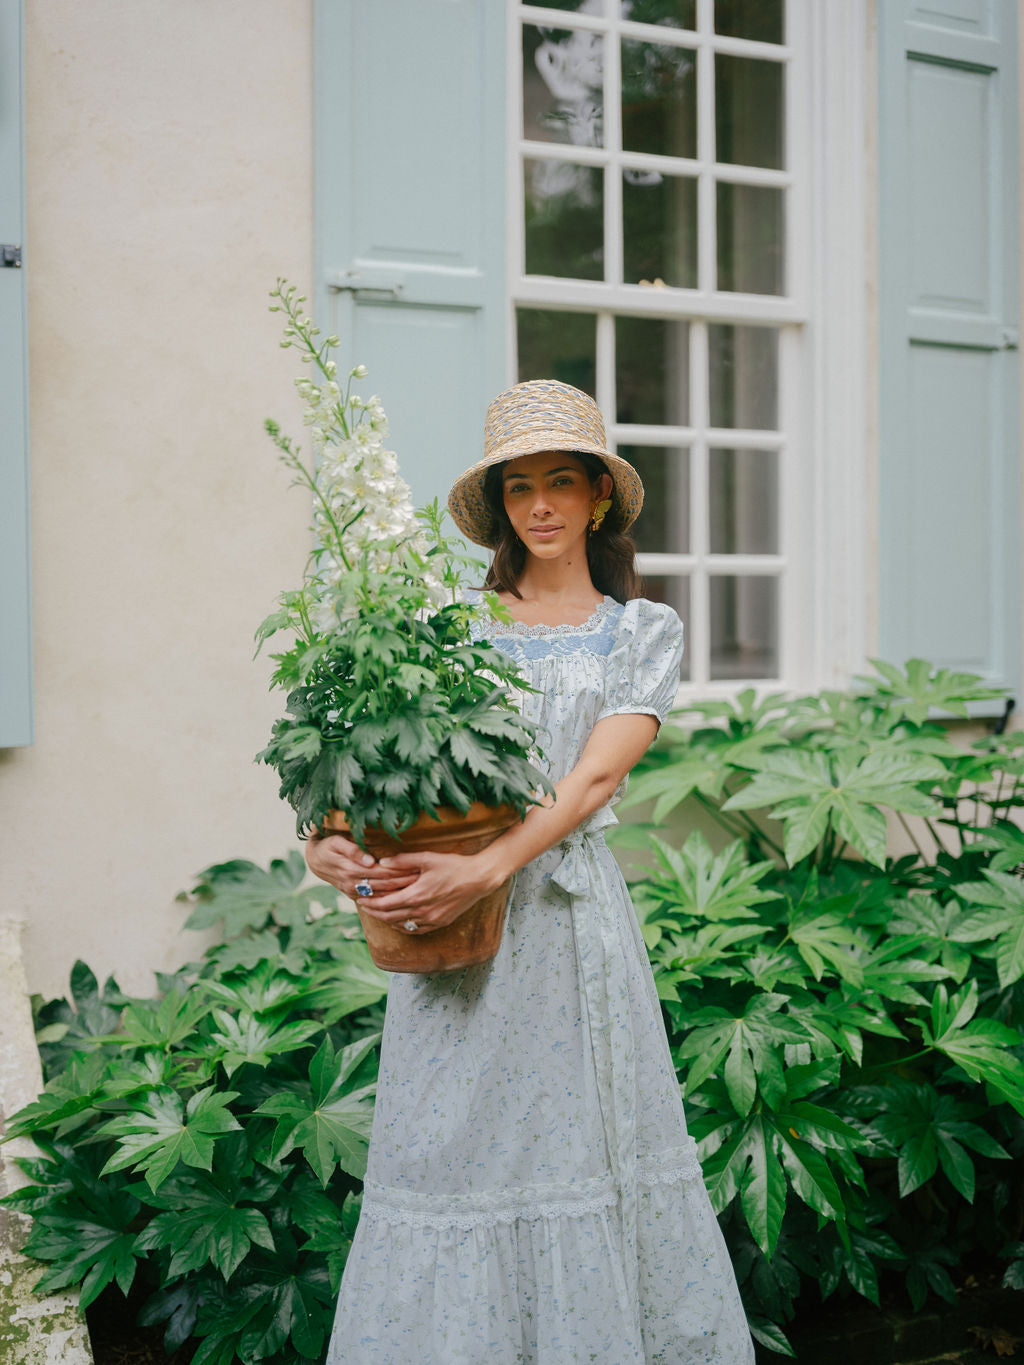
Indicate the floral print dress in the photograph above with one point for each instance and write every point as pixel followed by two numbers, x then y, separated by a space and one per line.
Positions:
pixel 532 1196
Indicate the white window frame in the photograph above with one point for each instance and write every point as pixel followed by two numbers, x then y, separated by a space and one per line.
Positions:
pixel 827 416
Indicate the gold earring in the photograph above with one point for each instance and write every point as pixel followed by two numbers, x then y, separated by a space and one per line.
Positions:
pixel 600 511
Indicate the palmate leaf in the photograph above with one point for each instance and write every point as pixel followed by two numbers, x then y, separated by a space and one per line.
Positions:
pixel 81 1226
pixel 254 897
pixel 821 939
pixel 915 690
pixel 1006 840
pixel 808 793
pixel 348 984
pixel 981 1047
pixel 709 886
pixel 669 784
pixel 329 1122
pixel 163 1025
pixel 1002 918
pixel 70 1094
pixel 155 1138
pixel 747 1048
pixel 243 1038
pixel 207 1226
pixel 923 1129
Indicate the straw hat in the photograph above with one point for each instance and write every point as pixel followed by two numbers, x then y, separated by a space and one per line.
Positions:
pixel 542 414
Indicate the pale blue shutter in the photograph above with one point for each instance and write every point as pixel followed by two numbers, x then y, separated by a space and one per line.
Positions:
pixel 949 478
pixel 410 216
pixel 15 617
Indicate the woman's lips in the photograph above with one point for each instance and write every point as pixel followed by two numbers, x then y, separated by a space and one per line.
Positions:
pixel 544 532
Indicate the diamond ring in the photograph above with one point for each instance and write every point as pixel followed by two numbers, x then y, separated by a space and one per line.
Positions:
pixel 364 888
pixel 410 926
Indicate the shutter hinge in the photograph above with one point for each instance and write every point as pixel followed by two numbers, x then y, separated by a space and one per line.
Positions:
pixel 10 255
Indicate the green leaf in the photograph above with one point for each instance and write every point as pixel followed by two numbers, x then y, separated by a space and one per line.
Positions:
pixel 763 1193
pixel 155 1138
pixel 329 1122
pixel 750 1043
pixel 209 1227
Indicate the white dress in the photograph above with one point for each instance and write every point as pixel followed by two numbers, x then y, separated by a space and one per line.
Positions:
pixel 532 1196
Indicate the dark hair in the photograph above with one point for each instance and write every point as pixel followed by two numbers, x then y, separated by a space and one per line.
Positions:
pixel 611 554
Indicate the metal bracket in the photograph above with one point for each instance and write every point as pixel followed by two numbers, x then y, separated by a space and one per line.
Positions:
pixel 10 256
pixel 362 282
pixel 1010 338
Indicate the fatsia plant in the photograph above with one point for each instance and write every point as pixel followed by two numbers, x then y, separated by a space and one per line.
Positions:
pixel 204 1149
pixel 848 1025
pixel 396 706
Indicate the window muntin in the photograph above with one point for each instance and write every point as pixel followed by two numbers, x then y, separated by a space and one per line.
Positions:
pixel 656 165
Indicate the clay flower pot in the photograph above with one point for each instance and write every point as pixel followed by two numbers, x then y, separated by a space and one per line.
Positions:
pixel 475 936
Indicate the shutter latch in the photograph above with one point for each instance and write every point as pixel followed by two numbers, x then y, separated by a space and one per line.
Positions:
pixel 10 256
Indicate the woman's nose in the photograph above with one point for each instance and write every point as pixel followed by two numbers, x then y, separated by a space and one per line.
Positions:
pixel 541 504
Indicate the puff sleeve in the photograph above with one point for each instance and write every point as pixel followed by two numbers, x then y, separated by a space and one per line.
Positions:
pixel 643 664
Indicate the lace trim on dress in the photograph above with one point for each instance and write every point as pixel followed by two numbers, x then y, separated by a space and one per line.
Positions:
pixel 585 628
pixel 489 1218
pixel 403 1208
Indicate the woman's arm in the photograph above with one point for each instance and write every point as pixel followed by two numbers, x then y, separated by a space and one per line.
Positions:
pixel 447 884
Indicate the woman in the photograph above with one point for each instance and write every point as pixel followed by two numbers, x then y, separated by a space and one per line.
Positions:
pixel 532 1194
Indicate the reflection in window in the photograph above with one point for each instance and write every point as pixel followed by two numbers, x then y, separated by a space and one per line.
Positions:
pixel 743 497
pixel 659 228
pixel 668 13
pixel 663 525
pixel 743 381
pixel 760 20
pixel 563 75
pixel 564 219
pixel 750 239
pixel 652 369
pixel 744 626
pixel 748 111
pixel 557 346
pixel 659 99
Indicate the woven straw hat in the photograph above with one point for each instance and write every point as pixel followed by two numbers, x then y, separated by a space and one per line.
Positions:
pixel 542 414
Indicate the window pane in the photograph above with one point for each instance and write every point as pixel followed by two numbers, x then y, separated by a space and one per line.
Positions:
pixel 574 6
pixel 659 99
pixel 748 111
pixel 558 346
pixel 652 370
pixel 757 19
pixel 563 75
pixel 667 13
pixel 750 239
pixel 564 219
pixel 743 488
pixel 659 228
pixel 744 626
pixel 663 526
pixel 744 376
pixel 676 592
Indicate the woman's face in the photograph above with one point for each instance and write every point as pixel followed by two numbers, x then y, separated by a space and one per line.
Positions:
pixel 549 500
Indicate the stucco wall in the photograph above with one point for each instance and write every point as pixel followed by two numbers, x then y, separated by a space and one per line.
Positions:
pixel 169 181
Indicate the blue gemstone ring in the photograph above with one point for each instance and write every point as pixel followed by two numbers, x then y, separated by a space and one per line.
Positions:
pixel 364 888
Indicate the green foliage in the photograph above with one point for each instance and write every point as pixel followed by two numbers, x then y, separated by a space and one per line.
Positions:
pixel 848 1025
pixel 208 1144
pixel 393 709
pixel 848 1028
pixel 401 714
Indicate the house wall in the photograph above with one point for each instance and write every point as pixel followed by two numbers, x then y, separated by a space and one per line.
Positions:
pixel 169 182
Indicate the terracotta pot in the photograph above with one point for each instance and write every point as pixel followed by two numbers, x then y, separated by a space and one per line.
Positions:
pixel 476 935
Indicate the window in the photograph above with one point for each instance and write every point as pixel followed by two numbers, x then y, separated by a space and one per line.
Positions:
pixel 652 266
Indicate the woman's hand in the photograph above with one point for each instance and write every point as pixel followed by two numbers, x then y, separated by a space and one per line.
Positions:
pixel 342 863
pixel 437 887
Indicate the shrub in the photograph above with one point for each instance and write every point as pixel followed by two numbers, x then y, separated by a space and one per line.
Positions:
pixel 848 1028
pixel 847 1025
pixel 209 1143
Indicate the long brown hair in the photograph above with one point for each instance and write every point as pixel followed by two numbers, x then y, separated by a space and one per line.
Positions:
pixel 611 554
